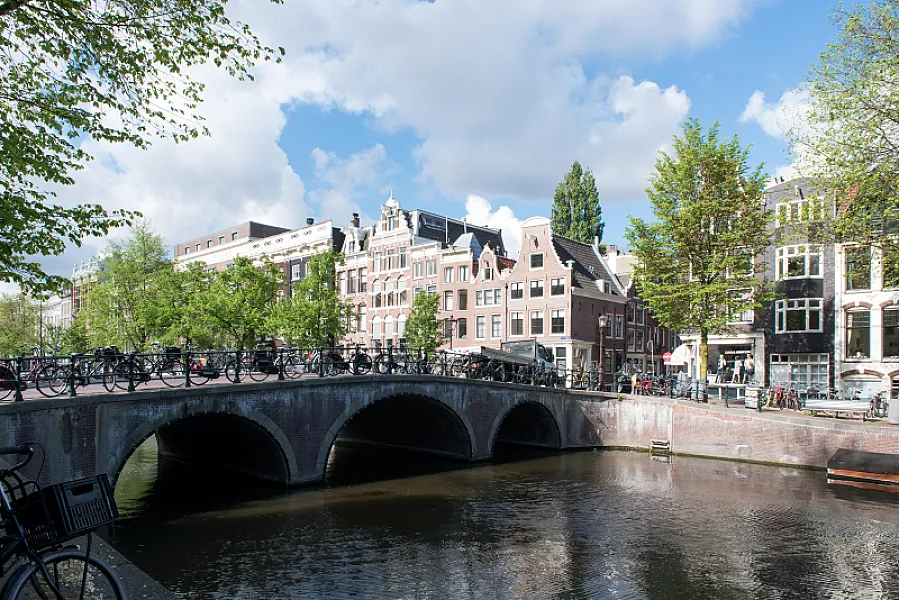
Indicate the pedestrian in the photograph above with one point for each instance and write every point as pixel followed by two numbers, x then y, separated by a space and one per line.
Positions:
pixel 738 371
pixel 749 368
pixel 722 369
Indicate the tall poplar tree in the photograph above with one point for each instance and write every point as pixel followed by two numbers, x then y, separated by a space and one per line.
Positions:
pixel 423 327
pixel 576 212
pixel 698 263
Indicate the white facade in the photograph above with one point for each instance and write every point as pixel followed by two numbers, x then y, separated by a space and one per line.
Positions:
pixel 57 311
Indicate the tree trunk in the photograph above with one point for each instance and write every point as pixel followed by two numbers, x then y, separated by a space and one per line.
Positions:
pixel 703 354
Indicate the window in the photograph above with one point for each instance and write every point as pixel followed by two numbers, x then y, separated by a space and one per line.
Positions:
pixel 797 315
pixel 463 299
pixel 448 274
pixel 487 274
pixel 388 329
pixel 606 287
pixel 747 315
pixel 418 270
pixel 537 260
pixel 858 334
pixel 341 284
pixel 198 247
pixel 376 291
pixel 400 330
pixel 631 337
pixel 295 272
pixel 377 261
pixel 209 243
pixel 480 327
pixel 858 268
pixel 401 286
pixel 496 328
pixel 557 321
pixel 432 289
pixel 516 291
pixel 536 322
pixel 890 263
pixel 391 260
pixel 556 286
pixel 619 326
pixel 537 289
pixel 376 329
pixel 233 235
pixel 448 328
pixel 640 340
pixel 187 249
pixel 363 280
pixel 432 268
pixel 488 297
pixel 361 318
pixel 631 312
pixel 221 240
pixel 610 325
pixel 891 333
pixel 801 370
pixel 351 282
pixel 517 322
pixel 463 273
pixel 404 256
pixel 497 296
pixel 798 261
pixel 743 264
pixel 390 296
pixel 640 315
pixel 391 223
pixel 479 298
pixel 462 328
pixel 447 301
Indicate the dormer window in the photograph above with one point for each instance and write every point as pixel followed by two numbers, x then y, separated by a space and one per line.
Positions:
pixel 488 274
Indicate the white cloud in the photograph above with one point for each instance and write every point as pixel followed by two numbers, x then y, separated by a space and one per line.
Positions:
pixel 478 211
pixel 348 180
pixel 777 118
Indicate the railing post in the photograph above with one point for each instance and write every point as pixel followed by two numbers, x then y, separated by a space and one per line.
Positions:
pixel 237 364
pixel 279 356
pixel 321 362
pixel 72 392
pixel 130 371
pixel 18 394
pixel 187 366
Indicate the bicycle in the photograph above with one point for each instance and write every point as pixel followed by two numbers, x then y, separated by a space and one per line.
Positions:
pixel 878 407
pixel 54 379
pixel 39 521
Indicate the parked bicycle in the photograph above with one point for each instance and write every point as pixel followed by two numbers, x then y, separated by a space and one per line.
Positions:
pixel 879 406
pixel 40 521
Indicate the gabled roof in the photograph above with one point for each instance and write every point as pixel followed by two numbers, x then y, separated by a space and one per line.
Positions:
pixel 446 230
pixel 587 266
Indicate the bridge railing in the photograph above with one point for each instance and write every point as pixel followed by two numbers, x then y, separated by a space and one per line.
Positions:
pixel 112 370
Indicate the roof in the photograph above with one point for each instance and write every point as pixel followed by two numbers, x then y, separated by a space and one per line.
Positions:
pixel 587 267
pixel 446 230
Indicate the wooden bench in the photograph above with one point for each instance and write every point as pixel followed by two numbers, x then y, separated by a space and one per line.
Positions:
pixel 814 406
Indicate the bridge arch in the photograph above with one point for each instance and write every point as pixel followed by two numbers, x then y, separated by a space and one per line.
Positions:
pixel 213 438
pixel 405 419
pixel 528 423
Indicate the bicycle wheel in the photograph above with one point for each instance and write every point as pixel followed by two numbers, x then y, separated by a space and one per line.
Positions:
pixel 199 374
pixel 256 374
pixel 231 371
pixel 383 364
pixel 361 364
pixel 74 574
pixel 7 382
pixel 435 365
pixel 171 372
pixel 294 367
pixel 52 381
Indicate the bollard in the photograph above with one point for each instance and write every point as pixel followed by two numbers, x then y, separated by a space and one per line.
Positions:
pixel 187 368
pixel 130 371
pixel 18 394
pixel 72 392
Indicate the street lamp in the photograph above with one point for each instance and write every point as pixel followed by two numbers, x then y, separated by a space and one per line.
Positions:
pixel 452 325
pixel 603 323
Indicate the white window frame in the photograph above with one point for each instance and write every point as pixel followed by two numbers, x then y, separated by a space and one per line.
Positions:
pixel 448 300
pixel 496 327
pixel 463 273
pixel 418 270
pixel 519 289
pixel 783 307
pixel 531 288
pixel 480 327
pixel 783 254
pixel 537 314
pixel 553 315
pixel 531 256
pixel 512 319
pixel 448 274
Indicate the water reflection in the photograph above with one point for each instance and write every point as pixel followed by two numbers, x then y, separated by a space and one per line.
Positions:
pixel 583 525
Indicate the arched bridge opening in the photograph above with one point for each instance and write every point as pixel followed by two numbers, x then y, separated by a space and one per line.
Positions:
pixel 382 437
pixel 529 424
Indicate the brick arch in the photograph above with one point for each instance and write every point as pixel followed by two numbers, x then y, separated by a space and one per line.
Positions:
pixel 256 419
pixel 863 372
pixel 894 302
pixel 892 374
pixel 546 411
pixel 391 392
pixel 856 304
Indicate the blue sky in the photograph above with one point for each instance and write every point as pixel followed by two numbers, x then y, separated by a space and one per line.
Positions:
pixel 466 107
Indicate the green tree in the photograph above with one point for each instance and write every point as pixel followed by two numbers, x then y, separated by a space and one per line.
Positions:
pixel 19 323
pixel 75 337
pixel 423 327
pixel 576 212
pixel 126 308
pixel 111 71
pixel 698 262
pixel 238 302
pixel 183 307
pixel 848 142
pixel 314 315
pixel 51 338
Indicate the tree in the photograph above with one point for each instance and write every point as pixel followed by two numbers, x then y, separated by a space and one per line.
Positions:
pixel 423 327
pixel 576 212
pixel 698 261
pixel 19 322
pixel 75 337
pixel 238 302
pixel 111 71
pixel 127 308
pixel 848 142
pixel 183 307
pixel 314 315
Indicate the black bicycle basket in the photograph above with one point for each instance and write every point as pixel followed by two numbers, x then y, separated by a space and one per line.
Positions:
pixel 63 511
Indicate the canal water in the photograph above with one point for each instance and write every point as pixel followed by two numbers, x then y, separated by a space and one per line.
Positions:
pixel 585 525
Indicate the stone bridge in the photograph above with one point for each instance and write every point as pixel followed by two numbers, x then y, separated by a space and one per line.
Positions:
pixel 284 431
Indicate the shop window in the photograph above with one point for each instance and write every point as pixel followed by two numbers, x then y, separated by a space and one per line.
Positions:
pixel 891 333
pixel 858 334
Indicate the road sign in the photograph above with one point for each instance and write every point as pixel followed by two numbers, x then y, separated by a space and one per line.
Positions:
pixel 666 357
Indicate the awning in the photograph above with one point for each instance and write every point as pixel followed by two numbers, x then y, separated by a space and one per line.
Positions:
pixel 681 356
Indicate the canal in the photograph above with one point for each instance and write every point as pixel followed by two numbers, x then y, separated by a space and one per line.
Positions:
pixel 585 525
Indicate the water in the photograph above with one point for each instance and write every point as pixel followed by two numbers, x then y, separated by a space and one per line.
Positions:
pixel 584 525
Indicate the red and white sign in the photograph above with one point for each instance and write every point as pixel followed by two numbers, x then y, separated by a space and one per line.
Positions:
pixel 666 357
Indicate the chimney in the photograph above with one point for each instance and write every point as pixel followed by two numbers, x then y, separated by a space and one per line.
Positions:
pixel 613 250
pixel 596 242
pixel 355 220
pixel 310 221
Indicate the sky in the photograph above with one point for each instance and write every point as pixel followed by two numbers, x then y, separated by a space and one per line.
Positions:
pixel 470 108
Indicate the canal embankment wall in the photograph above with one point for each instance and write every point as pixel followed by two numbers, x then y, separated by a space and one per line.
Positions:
pixel 713 431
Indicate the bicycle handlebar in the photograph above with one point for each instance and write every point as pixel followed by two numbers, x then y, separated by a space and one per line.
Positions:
pixel 22 449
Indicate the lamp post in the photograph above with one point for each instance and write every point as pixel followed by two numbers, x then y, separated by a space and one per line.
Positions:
pixel 603 322
pixel 452 326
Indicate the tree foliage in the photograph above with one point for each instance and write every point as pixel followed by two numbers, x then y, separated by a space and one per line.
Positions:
pixel 848 142
pixel 698 262
pixel 111 71
pixel 576 212
pixel 19 323
pixel 423 328
pixel 314 315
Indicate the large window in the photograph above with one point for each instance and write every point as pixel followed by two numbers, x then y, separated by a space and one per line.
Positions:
pixel 557 321
pixel 797 315
pixel 858 268
pixel 798 261
pixel 447 301
pixel 640 315
pixel 463 273
pixel 448 274
pixel 536 322
pixel 496 327
pixel 858 334
pixel 631 336
pixel 516 291
pixel 640 340
pixel 351 282
pixel 537 260
pixel 418 270
pixel 462 328
pixel 619 326
pixel 802 370
pixel 479 298
pixel 463 299
pixel 363 281
pixel 432 289
pixel 517 322
pixel 537 289
pixel 891 333
pixel 480 324
pixel 557 286
pixel 432 268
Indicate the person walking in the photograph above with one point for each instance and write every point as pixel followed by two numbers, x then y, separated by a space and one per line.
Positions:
pixel 738 371
pixel 748 369
pixel 722 369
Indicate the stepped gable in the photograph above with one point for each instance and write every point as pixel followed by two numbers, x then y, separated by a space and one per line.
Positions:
pixel 440 229
pixel 587 267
